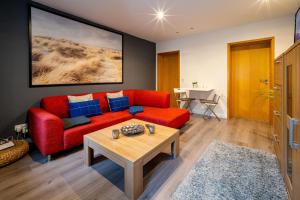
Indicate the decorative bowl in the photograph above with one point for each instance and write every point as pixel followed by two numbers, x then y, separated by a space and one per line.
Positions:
pixel 132 129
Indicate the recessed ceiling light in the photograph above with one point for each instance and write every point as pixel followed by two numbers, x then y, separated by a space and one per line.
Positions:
pixel 160 15
pixel 192 28
pixel 264 1
pixel 177 32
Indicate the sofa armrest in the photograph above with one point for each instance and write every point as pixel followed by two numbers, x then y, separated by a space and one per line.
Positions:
pixel 152 98
pixel 46 131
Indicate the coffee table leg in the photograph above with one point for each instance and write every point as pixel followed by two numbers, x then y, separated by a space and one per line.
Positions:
pixel 88 153
pixel 175 147
pixel 133 180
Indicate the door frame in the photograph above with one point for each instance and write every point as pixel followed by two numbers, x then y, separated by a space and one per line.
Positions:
pixel 229 71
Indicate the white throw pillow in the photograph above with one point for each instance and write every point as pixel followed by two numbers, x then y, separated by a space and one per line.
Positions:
pixel 114 95
pixel 75 99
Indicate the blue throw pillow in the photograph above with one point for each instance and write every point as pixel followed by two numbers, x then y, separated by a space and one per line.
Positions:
pixel 136 109
pixel 85 108
pixel 118 104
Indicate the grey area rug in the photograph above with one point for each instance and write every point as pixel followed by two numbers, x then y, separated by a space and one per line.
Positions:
pixel 233 172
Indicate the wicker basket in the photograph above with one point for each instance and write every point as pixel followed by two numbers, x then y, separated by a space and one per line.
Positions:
pixel 12 154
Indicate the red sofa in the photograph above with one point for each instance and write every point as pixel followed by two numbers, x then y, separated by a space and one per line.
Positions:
pixel 47 130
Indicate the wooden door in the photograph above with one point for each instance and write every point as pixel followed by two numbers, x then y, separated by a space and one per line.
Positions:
pixel 250 80
pixel 291 121
pixel 168 73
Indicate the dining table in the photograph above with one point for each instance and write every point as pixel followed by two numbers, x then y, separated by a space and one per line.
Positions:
pixel 198 94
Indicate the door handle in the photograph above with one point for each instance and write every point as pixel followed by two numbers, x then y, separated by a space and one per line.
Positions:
pixel 276 113
pixel 292 123
pixel 275 139
pixel 264 81
pixel 276 88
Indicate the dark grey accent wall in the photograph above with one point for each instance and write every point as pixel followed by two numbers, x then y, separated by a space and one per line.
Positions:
pixel 16 96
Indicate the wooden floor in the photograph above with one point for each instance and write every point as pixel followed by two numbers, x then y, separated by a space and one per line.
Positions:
pixel 66 177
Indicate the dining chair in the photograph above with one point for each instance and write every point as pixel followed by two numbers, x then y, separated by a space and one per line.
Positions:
pixel 210 106
pixel 182 97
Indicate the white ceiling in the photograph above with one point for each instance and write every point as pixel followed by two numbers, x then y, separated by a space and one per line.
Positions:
pixel 136 16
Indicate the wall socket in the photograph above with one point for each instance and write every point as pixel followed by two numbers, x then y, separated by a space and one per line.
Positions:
pixel 21 128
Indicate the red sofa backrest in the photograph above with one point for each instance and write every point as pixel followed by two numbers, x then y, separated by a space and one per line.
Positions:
pixel 58 105
pixel 152 98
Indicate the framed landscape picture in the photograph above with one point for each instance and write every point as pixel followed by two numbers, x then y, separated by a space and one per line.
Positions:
pixel 69 52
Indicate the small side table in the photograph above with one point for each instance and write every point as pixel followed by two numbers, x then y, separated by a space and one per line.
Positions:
pixel 12 154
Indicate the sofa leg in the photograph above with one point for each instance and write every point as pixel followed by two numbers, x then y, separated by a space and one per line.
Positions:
pixel 49 158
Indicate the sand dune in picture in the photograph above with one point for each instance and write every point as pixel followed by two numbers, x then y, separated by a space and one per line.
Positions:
pixel 59 61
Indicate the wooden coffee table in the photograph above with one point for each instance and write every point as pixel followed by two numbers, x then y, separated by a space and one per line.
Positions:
pixel 133 152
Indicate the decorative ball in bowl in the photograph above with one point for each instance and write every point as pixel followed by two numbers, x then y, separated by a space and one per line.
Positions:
pixel 132 129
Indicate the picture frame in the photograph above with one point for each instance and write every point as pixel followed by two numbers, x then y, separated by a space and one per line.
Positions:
pixel 80 62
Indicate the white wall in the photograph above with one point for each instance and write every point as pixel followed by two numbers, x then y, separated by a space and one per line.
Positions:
pixel 203 57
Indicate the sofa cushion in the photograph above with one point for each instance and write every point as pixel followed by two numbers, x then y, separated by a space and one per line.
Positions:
pixel 74 136
pixel 56 105
pixel 135 109
pixel 85 108
pixel 80 98
pixel 152 98
pixel 118 104
pixel 104 102
pixel 171 117
pixel 75 121
pixel 112 95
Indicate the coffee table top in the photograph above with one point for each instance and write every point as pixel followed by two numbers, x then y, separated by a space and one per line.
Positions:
pixel 132 148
